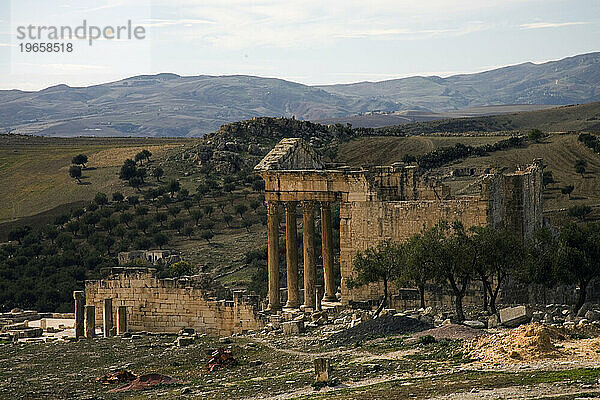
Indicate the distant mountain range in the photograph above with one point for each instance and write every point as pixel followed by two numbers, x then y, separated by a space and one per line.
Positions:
pixel 173 105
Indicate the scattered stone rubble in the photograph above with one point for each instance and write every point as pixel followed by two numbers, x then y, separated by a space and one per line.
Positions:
pixel 28 325
pixel 343 326
pixel 511 317
pixel 17 315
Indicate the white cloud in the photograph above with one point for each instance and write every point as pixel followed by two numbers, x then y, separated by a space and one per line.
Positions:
pixel 160 23
pixel 237 24
pixel 542 25
pixel 57 68
pixel 466 29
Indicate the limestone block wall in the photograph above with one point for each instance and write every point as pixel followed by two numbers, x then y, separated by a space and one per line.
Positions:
pixel 515 200
pixel 364 224
pixel 168 305
pixel 532 182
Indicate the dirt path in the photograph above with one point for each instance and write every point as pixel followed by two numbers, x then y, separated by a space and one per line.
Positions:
pixel 312 355
pixel 541 391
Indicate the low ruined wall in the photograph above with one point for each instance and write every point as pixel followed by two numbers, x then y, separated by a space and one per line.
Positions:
pixel 168 305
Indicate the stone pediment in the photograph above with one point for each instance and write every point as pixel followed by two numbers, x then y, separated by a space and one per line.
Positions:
pixel 290 154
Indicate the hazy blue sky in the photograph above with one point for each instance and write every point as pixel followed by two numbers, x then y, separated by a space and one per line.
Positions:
pixel 307 41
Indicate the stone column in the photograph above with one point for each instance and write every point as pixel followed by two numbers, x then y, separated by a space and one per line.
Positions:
pixel 107 317
pixel 90 321
pixel 273 255
pixel 291 255
pixel 308 242
pixel 79 312
pixel 322 370
pixel 327 247
pixel 121 320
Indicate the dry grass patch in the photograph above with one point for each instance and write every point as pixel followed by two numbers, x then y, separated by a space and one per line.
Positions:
pixel 116 157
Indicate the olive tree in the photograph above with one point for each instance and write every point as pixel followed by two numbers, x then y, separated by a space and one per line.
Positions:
pixel 579 257
pixel 381 263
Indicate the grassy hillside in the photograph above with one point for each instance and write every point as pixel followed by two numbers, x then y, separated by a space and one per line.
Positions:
pixel 34 171
pixel 214 219
pixel 35 188
pixel 386 150
pixel 583 117
pixel 383 119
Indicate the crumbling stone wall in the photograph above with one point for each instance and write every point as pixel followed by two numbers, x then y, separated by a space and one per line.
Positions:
pixel 436 296
pixel 513 200
pixel 168 305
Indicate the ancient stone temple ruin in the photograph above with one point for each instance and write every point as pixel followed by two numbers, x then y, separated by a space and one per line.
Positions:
pixel 375 204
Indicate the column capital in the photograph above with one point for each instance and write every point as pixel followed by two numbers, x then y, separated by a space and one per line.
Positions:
pixel 272 206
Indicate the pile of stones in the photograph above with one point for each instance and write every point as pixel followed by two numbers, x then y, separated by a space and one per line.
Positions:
pixel 337 320
pixel 188 336
pixel 560 314
pixel 16 315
